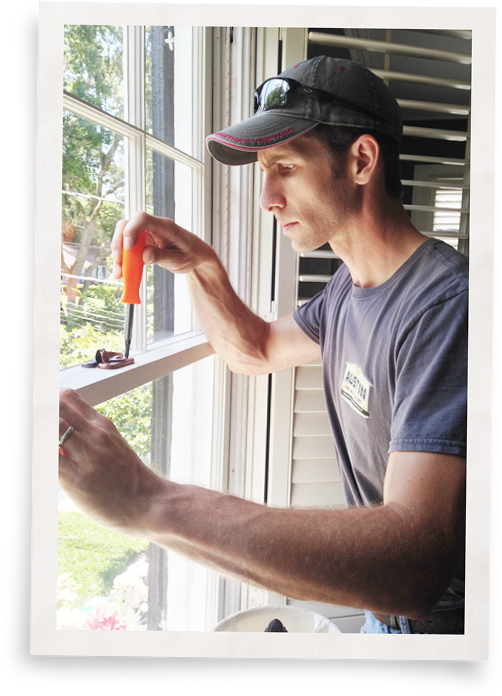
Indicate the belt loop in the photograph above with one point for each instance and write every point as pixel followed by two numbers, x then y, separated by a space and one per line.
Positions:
pixel 404 624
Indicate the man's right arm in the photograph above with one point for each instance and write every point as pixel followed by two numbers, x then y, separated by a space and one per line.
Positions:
pixel 246 342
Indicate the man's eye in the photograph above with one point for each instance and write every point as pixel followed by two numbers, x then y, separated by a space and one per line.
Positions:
pixel 287 167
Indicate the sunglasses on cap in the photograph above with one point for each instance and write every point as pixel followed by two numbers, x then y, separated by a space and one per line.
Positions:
pixel 273 94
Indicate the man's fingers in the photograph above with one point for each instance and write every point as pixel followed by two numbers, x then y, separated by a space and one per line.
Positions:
pixel 126 235
pixel 71 398
pixel 64 431
pixel 116 247
pixel 76 412
pixel 69 439
pixel 166 244
pixel 152 254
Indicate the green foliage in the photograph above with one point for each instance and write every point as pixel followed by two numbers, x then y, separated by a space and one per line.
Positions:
pixel 95 555
pixel 131 412
pixel 93 156
pixel 81 343
pixel 132 415
pixel 108 295
pixel 93 169
pixel 93 65
pixel 101 306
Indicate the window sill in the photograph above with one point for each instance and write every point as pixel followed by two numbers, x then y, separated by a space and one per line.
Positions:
pixel 96 385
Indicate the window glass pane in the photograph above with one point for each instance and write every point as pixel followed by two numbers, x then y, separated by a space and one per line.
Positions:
pixel 92 316
pixel 107 581
pixel 168 85
pixel 169 195
pixel 102 575
pixel 93 65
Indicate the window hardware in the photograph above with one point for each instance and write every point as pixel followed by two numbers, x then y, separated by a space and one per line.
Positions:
pixel 108 360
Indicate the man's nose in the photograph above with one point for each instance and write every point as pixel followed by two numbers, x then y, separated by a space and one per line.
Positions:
pixel 272 197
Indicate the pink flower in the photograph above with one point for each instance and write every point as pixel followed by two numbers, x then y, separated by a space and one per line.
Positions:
pixel 103 619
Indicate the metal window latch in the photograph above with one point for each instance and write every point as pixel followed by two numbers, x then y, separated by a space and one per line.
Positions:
pixel 108 360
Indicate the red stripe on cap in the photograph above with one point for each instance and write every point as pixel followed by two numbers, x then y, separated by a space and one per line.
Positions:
pixel 254 144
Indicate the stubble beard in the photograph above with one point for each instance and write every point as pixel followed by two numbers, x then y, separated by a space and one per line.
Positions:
pixel 333 225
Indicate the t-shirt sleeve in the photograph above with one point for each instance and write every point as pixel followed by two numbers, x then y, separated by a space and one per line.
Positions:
pixel 430 406
pixel 309 316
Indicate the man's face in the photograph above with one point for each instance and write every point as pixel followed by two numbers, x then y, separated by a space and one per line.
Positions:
pixel 300 189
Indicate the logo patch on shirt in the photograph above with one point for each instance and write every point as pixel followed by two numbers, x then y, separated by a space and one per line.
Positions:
pixel 356 389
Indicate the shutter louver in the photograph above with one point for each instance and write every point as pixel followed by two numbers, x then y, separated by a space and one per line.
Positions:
pixel 314 476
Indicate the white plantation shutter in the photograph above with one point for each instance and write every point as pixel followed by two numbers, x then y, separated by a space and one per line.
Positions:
pixel 315 481
pixel 447 220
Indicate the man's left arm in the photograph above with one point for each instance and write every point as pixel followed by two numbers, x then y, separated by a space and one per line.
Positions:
pixel 395 558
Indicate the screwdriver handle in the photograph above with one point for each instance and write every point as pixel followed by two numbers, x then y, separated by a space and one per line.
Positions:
pixel 132 271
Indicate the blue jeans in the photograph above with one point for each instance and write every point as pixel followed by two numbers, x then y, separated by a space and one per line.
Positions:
pixel 372 625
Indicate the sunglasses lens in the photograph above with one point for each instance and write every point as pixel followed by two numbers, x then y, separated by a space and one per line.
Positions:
pixel 272 94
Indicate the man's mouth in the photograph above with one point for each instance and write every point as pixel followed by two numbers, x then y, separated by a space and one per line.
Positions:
pixel 286 226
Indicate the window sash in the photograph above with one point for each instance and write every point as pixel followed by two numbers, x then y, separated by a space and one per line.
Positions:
pixel 161 357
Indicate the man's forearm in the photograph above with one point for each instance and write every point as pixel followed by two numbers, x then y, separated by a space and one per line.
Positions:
pixel 395 558
pixel 367 558
pixel 248 344
pixel 237 334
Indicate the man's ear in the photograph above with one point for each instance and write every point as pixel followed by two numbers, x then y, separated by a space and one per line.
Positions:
pixel 365 152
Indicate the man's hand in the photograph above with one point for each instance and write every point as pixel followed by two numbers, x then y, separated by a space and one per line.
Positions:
pixel 100 472
pixel 167 244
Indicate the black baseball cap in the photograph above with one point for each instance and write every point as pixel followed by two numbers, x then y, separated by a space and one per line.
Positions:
pixel 335 91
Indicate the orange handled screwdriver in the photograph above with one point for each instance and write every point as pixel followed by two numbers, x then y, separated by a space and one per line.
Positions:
pixel 132 272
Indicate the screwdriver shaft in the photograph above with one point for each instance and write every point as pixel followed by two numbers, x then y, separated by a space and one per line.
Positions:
pixel 128 328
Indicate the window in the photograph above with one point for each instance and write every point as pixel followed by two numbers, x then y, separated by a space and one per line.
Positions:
pixel 133 141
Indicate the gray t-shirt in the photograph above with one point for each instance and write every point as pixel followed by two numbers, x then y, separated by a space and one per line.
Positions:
pixel 394 364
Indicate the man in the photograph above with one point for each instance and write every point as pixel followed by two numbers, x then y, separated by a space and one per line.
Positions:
pixel 391 328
